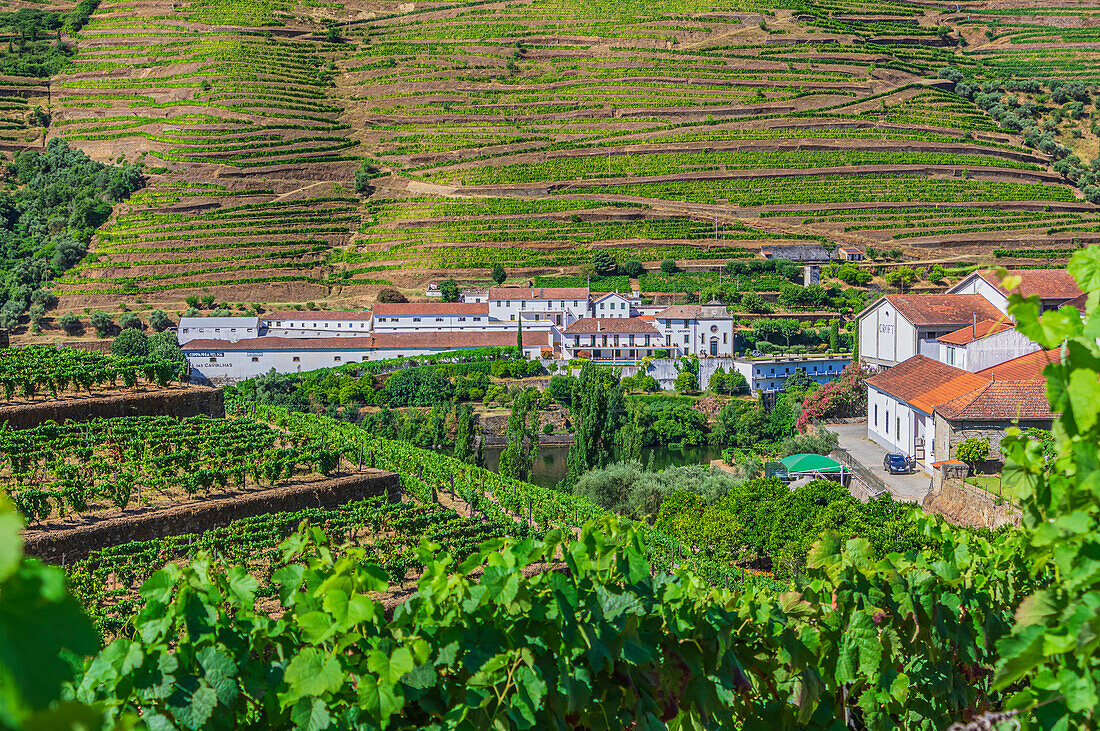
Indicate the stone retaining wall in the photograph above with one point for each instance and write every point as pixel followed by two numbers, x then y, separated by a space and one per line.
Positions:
pixel 963 504
pixel 179 402
pixel 67 544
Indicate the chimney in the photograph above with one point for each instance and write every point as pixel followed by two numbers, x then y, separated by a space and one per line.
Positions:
pixel 974 328
pixel 597 324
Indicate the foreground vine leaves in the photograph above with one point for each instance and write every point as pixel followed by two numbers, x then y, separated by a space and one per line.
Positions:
pixel 41 628
pixel 1052 651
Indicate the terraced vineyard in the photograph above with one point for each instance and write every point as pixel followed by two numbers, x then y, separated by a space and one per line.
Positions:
pixel 532 133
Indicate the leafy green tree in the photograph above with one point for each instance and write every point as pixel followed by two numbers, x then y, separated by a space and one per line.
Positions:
pixel 465 434
pixel 560 388
pixel 686 382
pixel 936 273
pixel 70 323
pixel 901 277
pixel 668 266
pixel 164 346
pixel 449 289
pixel 130 321
pixel 390 295
pixel 633 268
pixel 130 343
pixel 364 178
pixel 102 322
pixel 498 274
pixel 597 412
pixel 523 440
pixel 753 302
pixel 159 321
pixel 973 451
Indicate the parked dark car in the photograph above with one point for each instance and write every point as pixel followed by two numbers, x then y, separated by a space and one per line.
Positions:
pixel 897 464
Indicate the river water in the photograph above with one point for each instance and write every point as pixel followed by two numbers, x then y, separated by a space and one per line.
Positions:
pixel 550 464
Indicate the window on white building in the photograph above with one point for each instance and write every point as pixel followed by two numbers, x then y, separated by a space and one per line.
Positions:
pixel 295 359
pixel 336 358
pixel 255 359
pixel 876 414
pixel 213 360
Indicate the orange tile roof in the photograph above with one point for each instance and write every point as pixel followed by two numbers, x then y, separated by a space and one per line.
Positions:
pixel 953 389
pixel 999 400
pixel 1049 284
pixel 1025 368
pixel 970 333
pixel 913 377
pixel 943 309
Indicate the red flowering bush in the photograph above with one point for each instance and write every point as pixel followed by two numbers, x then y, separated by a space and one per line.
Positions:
pixel 844 396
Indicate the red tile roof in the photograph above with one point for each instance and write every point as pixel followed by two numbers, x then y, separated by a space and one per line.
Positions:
pixel 1000 400
pixel 317 315
pixel 389 309
pixel 1048 284
pixel 943 309
pixel 538 293
pixel 1080 302
pixel 680 312
pixel 1025 368
pixel 970 333
pixel 601 325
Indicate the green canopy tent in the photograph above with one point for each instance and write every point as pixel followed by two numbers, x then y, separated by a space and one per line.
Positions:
pixel 810 463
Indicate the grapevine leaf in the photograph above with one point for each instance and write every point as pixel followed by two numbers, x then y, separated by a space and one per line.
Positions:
pixel 220 673
pixel 1035 608
pixel 1084 396
pixel 390 667
pixel 11 543
pixel 242 586
pixel 860 650
pixel 1084 265
pixel 310 715
pixel 1020 653
pixel 159 586
pixel 310 673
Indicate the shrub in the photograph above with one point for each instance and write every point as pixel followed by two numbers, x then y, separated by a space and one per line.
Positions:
pixel 159 321
pixel 498 274
pixel 389 295
pixel 686 381
pixel 70 323
pixel 548 428
pixel 102 322
pixel 633 268
pixel 130 321
pixel 668 266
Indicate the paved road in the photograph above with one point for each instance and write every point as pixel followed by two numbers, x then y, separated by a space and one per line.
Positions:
pixel 853 439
